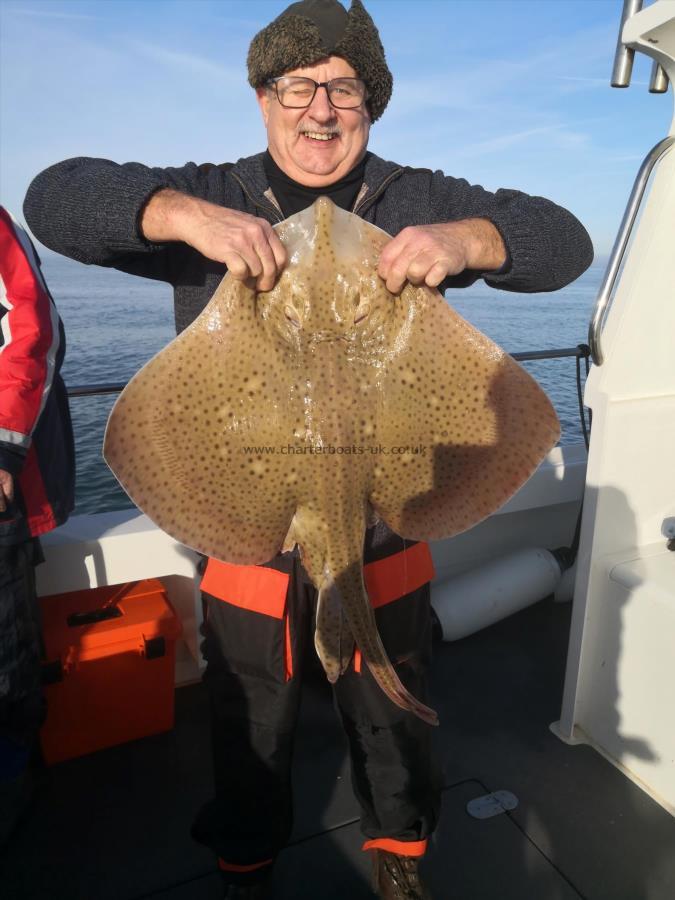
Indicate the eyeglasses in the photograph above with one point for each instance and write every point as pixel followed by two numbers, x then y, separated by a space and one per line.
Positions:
pixel 298 93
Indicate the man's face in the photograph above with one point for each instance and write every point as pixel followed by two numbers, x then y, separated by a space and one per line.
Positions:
pixel 306 159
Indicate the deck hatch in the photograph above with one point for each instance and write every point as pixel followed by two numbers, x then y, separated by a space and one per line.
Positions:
pixel 490 805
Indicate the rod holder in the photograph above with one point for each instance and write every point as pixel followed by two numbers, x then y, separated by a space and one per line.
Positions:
pixel 658 83
pixel 623 58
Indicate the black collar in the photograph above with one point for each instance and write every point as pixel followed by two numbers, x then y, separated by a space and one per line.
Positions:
pixel 293 197
pixel 249 172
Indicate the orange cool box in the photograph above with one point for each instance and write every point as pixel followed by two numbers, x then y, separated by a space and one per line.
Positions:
pixel 109 670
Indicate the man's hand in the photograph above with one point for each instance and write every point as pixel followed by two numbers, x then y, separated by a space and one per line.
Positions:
pixel 248 246
pixel 6 489
pixel 426 254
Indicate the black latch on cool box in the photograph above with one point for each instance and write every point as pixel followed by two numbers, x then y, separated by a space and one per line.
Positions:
pixel 93 616
pixel 155 647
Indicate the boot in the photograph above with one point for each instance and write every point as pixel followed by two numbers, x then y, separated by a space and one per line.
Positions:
pixel 259 891
pixel 396 877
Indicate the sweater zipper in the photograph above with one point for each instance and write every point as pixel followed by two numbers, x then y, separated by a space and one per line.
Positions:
pixel 269 193
pixel 269 209
pixel 363 190
pixel 362 199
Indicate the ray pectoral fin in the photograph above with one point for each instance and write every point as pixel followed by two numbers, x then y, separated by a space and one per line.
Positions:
pixel 193 437
pixel 475 424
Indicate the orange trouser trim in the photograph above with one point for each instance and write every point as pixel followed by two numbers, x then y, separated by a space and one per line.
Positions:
pixel 397 575
pixel 263 590
pixel 255 588
pixel 232 867
pixel 400 848
pixel 288 657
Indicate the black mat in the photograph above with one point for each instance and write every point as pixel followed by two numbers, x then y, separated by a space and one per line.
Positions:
pixel 115 825
pixel 497 693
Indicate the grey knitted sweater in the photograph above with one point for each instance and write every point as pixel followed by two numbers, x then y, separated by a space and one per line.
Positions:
pixel 88 209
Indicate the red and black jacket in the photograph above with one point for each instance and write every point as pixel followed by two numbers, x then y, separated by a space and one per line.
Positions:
pixel 36 437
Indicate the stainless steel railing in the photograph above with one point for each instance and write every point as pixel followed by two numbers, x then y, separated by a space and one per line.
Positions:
pixel 658 84
pixel 620 245
pixel 581 351
pixel 623 58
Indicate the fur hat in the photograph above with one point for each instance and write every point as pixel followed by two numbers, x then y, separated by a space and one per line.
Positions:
pixel 309 31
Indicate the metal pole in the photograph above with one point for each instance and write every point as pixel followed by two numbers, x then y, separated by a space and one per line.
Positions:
pixel 581 351
pixel 623 58
pixel 658 83
pixel 620 245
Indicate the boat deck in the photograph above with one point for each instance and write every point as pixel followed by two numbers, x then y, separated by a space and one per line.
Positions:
pixel 115 825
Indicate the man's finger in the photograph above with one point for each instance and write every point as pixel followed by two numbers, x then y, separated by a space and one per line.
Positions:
pixel 386 258
pixel 436 274
pixel 390 254
pixel 420 266
pixel 278 249
pixel 397 276
pixel 237 266
pixel 268 275
pixel 252 260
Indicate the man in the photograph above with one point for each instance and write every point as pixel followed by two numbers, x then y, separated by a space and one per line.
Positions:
pixel 36 494
pixel 321 79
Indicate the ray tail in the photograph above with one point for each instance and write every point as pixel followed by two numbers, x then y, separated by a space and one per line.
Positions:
pixel 361 619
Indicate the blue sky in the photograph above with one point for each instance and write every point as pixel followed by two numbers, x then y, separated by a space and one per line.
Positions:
pixel 505 93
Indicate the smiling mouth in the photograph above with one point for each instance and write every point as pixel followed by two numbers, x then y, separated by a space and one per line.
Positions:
pixel 320 136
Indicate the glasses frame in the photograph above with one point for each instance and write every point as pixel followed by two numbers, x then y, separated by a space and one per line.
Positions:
pixel 273 83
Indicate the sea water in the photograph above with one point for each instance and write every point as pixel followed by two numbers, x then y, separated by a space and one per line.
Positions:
pixel 115 323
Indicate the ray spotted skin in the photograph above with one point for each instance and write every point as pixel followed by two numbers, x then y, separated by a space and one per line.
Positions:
pixel 316 403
